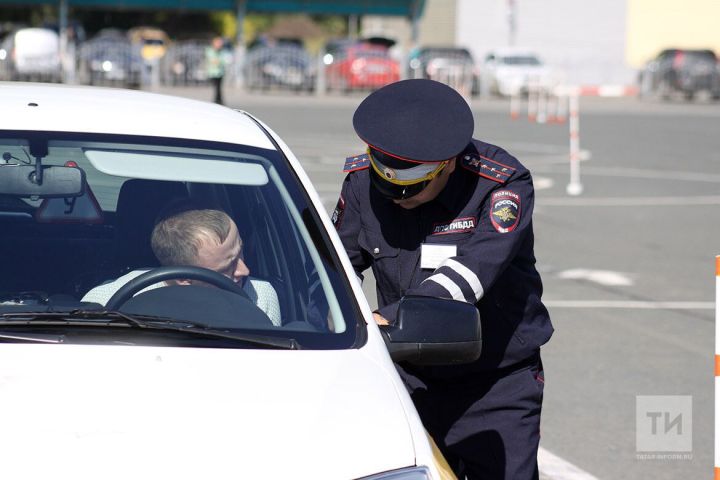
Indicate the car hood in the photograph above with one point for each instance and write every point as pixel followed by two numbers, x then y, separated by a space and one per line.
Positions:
pixel 143 412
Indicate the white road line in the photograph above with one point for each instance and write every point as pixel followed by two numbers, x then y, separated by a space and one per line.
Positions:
pixel 652 174
pixel 603 277
pixel 555 468
pixel 628 201
pixel 543 183
pixel 629 304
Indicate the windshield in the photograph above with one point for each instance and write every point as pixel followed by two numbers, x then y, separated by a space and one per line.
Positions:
pixel 147 203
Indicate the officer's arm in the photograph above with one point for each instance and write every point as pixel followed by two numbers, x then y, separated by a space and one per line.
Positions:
pixel 504 228
pixel 346 218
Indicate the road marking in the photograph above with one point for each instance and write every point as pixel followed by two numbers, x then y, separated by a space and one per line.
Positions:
pixel 628 201
pixel 543 183
pixel 555 468
pixel 629 304
pixel 603 277
pixel 652 174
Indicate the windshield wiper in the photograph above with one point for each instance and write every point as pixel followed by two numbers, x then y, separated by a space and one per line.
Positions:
pixel 116 318
pixel 33 337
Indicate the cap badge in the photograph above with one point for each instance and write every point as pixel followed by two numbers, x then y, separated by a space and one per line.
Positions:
pixel 389 173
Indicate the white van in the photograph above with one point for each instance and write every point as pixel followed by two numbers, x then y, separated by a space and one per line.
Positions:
pixel 33 54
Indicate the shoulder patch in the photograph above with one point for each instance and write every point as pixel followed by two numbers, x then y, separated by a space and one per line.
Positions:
pixel 505 210
pixel 356 162
pixel 487 168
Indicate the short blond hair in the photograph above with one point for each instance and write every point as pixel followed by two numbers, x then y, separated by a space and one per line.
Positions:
pixel 175 240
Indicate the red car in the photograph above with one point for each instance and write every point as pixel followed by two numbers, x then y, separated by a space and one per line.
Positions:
pixel 361 66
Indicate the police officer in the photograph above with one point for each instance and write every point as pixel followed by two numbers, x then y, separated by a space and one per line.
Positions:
pixel 435 212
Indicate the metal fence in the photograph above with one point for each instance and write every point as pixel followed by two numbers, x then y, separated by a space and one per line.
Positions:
pixel 117 62
pixel 184 64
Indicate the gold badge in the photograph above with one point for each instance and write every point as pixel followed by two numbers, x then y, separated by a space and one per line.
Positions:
pixel 504 214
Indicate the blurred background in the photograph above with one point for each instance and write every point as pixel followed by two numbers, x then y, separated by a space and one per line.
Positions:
pixel 651 48
pixel 612 105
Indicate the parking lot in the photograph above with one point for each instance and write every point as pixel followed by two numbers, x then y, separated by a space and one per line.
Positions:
pixel 627 266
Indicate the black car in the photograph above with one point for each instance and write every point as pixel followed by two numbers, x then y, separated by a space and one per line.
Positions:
pixel 678 71
pixel 283 66
pixel 110 59
pixel 184 63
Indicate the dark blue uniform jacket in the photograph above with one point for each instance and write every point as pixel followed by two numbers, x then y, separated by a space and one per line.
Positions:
pixel 486 211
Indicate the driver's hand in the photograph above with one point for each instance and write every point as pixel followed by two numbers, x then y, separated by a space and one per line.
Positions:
pixel 379 319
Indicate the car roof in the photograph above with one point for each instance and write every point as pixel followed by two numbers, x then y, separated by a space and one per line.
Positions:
pixel 65 108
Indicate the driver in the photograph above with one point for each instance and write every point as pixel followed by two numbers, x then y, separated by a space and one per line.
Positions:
pixel 201 238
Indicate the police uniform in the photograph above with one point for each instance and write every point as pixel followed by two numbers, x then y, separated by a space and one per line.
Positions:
pixel 472 243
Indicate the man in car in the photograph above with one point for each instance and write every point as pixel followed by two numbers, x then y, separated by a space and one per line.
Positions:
pixel 202 238
pixel 437 213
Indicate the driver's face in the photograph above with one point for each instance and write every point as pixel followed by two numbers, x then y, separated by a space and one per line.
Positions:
pixel 226 257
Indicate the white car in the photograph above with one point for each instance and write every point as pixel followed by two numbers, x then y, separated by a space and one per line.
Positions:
pixel 512 71
pixel 190 382
pixel 31 54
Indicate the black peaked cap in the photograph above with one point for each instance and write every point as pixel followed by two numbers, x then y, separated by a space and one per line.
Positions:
pixel 420 120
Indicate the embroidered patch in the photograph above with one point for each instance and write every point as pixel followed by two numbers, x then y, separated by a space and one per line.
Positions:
pixel 356 162
pixel 337 214
pixel 459 225
pixel 505 210
pixel 487 168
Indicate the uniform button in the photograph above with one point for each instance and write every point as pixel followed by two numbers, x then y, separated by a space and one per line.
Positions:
pixel 376 250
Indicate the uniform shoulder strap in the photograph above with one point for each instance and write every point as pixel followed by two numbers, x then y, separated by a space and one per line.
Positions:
pixel 356 162
pixel 487 168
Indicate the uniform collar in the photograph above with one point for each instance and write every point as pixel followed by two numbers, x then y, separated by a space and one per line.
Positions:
pixel 456 185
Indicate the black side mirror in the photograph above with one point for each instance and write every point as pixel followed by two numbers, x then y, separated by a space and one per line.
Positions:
pixel 434 331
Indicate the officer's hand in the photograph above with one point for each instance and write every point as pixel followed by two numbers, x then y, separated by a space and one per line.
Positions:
pixel 380 320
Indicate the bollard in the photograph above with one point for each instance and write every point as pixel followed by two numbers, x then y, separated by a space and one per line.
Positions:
pixel 717 367
pixel 574 187
pixel 552 101
pixel 532 101
pixel 562 108
pixel 542 104
pixel 515 106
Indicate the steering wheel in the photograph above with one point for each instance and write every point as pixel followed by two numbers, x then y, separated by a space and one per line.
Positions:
pixel 161 274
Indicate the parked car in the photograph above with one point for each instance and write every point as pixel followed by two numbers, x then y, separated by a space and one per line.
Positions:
pixel 453 66
pixel 152 42
pixel 184 63
pixel 679 71
pixel 31 54
pixel 283 65
pixel 361 65
pixel 511 71
pixel 109 58
pixel 191 381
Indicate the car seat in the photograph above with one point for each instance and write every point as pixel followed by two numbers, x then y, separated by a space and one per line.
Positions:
pixel 139 203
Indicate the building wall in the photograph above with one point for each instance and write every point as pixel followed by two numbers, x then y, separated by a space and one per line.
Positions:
pixel 436 26
pixel 584 40
pixel 657 24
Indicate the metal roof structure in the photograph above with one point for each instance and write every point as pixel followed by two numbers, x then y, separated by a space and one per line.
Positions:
pixel 406 8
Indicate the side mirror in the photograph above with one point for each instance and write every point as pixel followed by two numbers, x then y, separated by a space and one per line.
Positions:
pixel 55 182
pixel 434 331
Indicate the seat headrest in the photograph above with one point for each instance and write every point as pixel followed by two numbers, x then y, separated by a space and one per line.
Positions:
pixel 139 203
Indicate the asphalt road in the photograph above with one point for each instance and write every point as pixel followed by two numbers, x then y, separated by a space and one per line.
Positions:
pixel 628 266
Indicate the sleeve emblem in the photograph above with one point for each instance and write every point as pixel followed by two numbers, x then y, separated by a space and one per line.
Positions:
pixel 505 210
